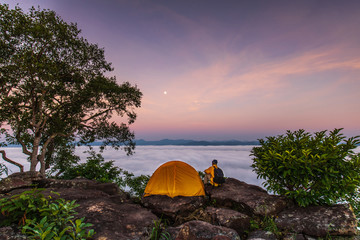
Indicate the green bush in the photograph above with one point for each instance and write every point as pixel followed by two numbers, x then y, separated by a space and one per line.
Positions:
pixel 158 231
pixel 95 168
pixel 22 206
pixel 46 230
pixel 42 217
pixel 135 184
pixel 310 169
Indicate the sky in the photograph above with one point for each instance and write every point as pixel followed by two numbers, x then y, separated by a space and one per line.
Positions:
pixel 221 70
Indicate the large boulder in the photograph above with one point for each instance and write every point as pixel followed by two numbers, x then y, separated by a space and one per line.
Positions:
pixel 112 216
pixel 246 198
pixel 76 194
pixel 174 208
pixel 19 180
pixel 262 235
pixel 78 182
pixel 319 221
pixel 229 218
pixel 22 180
pixel 81 183
pixel 113 220
pixel 199 230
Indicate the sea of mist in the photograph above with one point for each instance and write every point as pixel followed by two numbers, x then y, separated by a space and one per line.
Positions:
pixel 234 160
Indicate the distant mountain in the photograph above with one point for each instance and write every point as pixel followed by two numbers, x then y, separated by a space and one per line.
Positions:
pixel 184 142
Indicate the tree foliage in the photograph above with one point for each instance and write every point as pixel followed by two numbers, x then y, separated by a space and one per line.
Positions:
pixel 311 169
pixel 54 89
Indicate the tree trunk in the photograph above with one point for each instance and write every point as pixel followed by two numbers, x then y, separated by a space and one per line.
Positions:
pixel 44 149
pixel 34 154
pixel 41 159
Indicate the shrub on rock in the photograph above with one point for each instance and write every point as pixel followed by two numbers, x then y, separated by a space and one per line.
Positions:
pixel 310 169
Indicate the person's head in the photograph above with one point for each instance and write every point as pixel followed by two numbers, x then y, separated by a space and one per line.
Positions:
pixel 214 162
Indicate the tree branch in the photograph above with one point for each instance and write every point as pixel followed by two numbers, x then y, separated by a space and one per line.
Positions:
pixel 48 141
pixel 11 161
pixel 98 114
pixel 23 145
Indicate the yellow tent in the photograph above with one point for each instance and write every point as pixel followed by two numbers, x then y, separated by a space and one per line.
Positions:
pixel 175 178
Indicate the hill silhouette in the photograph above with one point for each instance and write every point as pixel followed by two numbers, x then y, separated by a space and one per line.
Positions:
pixel 185 142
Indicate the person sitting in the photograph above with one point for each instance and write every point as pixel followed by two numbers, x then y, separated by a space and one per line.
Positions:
pixel 214 175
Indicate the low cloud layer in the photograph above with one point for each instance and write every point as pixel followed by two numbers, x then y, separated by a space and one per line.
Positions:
pixel 234 160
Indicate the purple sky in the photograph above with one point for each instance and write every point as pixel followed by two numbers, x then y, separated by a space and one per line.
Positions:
pixel 231 69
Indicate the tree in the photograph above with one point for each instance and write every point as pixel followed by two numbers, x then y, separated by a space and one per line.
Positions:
pixel 54 89
pixel 311 169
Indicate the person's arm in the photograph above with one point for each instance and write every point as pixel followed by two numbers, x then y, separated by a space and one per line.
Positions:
pixel 208 171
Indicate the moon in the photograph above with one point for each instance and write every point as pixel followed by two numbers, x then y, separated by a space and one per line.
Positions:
pixel 165 92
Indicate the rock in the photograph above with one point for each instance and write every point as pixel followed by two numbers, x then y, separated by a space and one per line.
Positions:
pixel 74 194
pixel 64 183
pixel 112 215
pixel 82 184
pixel 116 221
pixel 229 218
pixel 261 235
pixel 246 198
pixel 19 180
pixel 67 193
pixel 319 221
pixel 199 230
pixel 109 188
pixel 292 236
pixel 7 233
pixel 173 208
pixel 115 216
